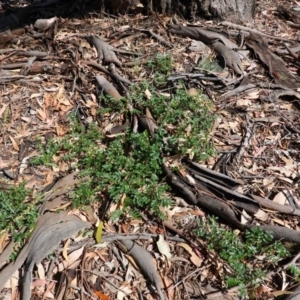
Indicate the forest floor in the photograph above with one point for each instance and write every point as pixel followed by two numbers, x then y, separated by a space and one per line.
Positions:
pixel 139 163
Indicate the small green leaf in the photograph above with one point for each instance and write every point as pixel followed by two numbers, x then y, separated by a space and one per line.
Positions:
pixel 99 230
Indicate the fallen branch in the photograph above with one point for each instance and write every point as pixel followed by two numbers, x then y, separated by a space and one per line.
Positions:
pixel 239 27
pixel 144 261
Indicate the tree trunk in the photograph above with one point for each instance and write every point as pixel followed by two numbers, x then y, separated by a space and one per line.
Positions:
pixel 231 10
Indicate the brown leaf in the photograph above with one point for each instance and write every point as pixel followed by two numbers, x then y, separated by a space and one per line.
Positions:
pixel 14 143
pixel 100 295
pixel 3 108
pixel 3 241
pixel 42 115
pixel 195 259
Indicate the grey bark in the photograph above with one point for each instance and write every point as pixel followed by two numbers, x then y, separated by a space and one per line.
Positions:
pixel 233 10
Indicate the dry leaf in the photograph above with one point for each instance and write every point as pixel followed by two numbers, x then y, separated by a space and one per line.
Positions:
pixel 195 259
pixel 65 253
pixel 168 283
pixel 163 247
pixel 285 171
pixel 2 110
pixel 144 261
pixel 25 119
pixel 41 114
pixel 41 271
pixel 269 182
pixel 280 198
pixel 261 215
pixel 100 295
pixel 193 92
pixel 148 94
pixel 243 103
pixel 3 242
pixel 15 145
pixel 72 258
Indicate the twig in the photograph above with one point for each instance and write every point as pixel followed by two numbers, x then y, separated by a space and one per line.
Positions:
pixel 159 38
pixel 249 129
pixel 100 274
pixel 80 289
pixel 219 294
pixel 142 236
pixel 184 278
pixel 229 24
pixel 236 91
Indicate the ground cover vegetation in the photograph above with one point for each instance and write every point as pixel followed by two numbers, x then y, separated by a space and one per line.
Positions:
pixel 141 157
pixel 127 170
pixel 131 164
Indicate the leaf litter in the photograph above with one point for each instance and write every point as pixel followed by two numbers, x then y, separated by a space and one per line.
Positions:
pixel 255 169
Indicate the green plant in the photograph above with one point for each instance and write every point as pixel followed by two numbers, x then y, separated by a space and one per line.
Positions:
pixel 241 252
pixel 161 63
pixel 16 214
pixel 185 121
pixel 112 105
pixel 295 272
pixel 209 64
pixel 5 116
pixel 136 175
pixel 160 67
pixel 46 152
pixel 130 166
pixel 128 169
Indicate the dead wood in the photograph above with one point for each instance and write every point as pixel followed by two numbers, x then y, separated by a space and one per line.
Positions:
pixel 223 185
pixel 202 198
pixel 117 77
pixel 279 90
pixel 144 261
pixel 11 78
pixel 9 36
pixel 275 64
pixel 45 239
pixel 20 52
pixel 96 66
pixel 288 14
pixel 219 43
pixel 293 54
pixel 201 34
pixel 224 209
pixel 218 177
pixel 105 51
pixel 107 87
pixel 159 38
pixel 281 233
pixel 251 30
pixel 37 67
pixel 47 235
pixel 210 174
pixel 225 193
pixel 232 59
pixel 269 204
